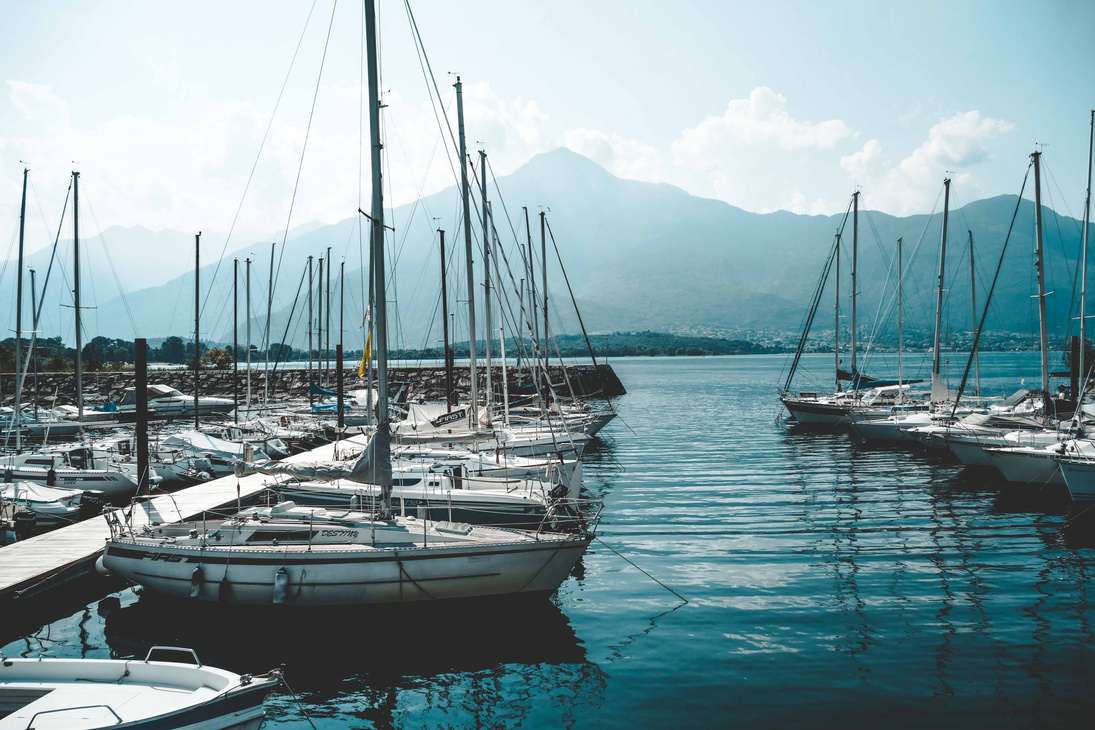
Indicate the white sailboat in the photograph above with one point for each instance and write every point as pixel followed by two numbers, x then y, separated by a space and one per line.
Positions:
pixel 293 555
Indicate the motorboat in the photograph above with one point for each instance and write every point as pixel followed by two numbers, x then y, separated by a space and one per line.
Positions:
pixel 129 694
pixel 167 401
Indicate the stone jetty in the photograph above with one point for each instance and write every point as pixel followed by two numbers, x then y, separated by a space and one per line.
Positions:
pixel 428 382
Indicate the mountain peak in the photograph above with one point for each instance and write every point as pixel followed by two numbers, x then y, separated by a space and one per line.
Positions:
pixel 563 160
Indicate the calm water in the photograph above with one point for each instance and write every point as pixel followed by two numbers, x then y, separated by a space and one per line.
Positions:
pixel 828 585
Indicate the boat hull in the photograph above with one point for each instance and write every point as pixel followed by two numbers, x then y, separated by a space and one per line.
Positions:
pixel 1079 477
pixel 817 413
pixel 354 575
pixel 118 487
pixel 1027 467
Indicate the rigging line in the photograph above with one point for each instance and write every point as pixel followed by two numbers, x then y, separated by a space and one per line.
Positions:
pixel 878 318
pixel 502 200
pixel 905 274
pixel 1064 200
pixel 569 289
pixel 1075 274
pixel 258 156
pixel 421 48
pixel 304 147
pixel 289 321
pixel 632 564
pixel 360 165
pixel 812 311
pixel 8 256
pixel 113 269
pixel 962 211
pixel 988 297
pixel 56 242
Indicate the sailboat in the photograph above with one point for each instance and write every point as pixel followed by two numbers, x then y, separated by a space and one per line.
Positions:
pixel 812 408
pixel 288 554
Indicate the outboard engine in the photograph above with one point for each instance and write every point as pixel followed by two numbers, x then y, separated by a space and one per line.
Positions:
pixel 25 523
pixel 92 504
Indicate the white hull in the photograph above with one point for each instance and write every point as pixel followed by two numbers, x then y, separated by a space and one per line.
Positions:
pixel 88 694
pixel 817 413
pixel 328 575
pixel 1027 466
pixel 1079 476
pixel 116 486
pixel 972 453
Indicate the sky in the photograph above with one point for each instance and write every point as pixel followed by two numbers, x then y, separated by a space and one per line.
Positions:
pixel 163 107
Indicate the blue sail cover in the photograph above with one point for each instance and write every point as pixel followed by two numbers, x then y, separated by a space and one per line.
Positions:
pixel 860 381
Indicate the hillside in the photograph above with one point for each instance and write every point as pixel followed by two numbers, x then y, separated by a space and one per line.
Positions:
pixel 640 256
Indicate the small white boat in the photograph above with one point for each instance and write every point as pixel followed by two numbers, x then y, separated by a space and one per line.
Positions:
pixel 87 694
pixel 116 485
pixel 167 401
pixel 51 506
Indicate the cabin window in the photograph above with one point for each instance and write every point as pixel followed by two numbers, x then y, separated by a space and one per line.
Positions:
pixel 280 536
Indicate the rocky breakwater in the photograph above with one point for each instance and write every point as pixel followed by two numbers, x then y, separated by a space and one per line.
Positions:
pixel 583 381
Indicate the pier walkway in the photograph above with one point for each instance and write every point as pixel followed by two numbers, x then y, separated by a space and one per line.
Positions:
pixel 33 566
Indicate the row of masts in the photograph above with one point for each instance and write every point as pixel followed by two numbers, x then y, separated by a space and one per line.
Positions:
pixel 937 385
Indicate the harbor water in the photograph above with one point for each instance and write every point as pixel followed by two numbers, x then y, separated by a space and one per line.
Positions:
pixel 828 584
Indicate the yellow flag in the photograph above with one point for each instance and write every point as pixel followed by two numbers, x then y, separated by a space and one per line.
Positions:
pixel 366 356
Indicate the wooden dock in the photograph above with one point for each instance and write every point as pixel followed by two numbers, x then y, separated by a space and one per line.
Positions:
pixel 33 566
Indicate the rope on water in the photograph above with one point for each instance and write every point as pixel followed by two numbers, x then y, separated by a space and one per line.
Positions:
pixel 296 699
pixel 632 564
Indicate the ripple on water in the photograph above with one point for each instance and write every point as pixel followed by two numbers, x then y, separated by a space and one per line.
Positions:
pixel 828 584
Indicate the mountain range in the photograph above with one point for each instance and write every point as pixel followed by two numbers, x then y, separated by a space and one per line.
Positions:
pixel 639 256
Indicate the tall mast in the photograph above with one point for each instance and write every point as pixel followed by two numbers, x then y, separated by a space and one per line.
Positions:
pixel 1083 275
pixel 311 323
pixel 486 281
pixel 855 265
pixel 381 444
pixel 319 325
pixel 836 310
pixel 247 267
pixel 543 266
pixel 501 329
pixel 15 417
pixel 937 378
pixel 76 302
pixel 269 313
pixel 236 336
pixel 34 337
pixel 534 320
pixel 450 394
pixel 327 323
pixel 1039 263
pixel 973 305
pixel 900 314
pixel 341 303
pixel 466 193
pixel 197 322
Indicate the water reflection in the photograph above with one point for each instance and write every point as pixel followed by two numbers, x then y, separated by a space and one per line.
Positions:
pixel 477 657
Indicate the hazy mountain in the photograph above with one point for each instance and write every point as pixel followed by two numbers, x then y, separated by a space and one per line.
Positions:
pixel 639 256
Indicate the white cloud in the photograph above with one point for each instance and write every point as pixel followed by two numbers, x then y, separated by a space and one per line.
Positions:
pixel 954 144
pixel 756 155
pixel 188 172
pixel 622 157
pixel 37 102
pixel 762 119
